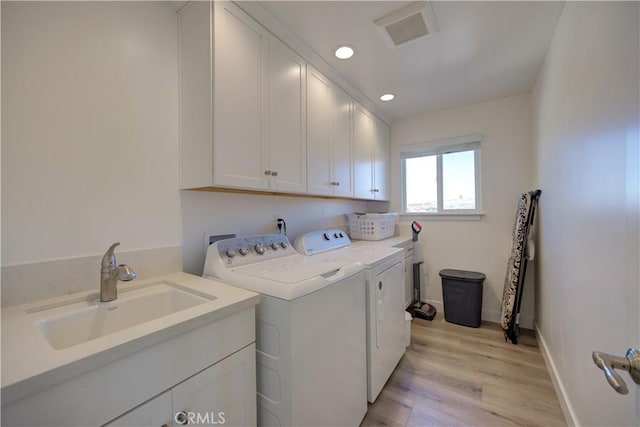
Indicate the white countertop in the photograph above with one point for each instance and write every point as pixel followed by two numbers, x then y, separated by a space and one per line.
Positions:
pixel 30 364
pixel 391 242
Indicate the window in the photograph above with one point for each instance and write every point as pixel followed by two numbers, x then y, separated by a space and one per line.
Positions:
pixel 442 177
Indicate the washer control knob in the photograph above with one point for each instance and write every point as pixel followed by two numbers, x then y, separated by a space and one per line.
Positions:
pixel 326 236
pixel 341 235
pixel 243 251
pixel 274 246
pixel 284 245
pixel 230 253
pixel 336 235
pixel 260 249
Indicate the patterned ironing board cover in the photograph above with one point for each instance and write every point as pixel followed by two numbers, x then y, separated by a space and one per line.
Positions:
pixel 514 265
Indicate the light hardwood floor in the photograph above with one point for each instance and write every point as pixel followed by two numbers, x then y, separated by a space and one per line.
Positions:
pixel 453 375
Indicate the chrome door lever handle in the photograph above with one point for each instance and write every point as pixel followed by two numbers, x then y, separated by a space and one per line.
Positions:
pixel 609 363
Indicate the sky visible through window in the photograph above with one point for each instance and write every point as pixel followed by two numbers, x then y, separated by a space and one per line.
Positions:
pixel 458 182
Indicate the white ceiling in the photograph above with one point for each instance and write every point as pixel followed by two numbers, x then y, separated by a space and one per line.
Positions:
pixel 484 50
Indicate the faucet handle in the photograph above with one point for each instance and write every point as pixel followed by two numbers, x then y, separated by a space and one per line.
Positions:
pixel 109 259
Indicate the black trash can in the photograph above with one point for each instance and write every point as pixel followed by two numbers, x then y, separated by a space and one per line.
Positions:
pixel 462 296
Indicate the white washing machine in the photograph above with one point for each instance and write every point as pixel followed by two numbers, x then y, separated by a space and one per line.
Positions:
pixel 310 330
pixel 384 278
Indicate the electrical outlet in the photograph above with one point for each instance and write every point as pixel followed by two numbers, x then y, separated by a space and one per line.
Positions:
pixel 281 225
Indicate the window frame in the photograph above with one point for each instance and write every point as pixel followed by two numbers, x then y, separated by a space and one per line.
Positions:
pixel 438 148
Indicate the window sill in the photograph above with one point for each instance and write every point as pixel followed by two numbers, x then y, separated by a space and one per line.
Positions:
pixel 449 216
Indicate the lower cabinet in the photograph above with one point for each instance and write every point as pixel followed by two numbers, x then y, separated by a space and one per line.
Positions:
pixel 224 393
pixel 155 412
pixel 207 373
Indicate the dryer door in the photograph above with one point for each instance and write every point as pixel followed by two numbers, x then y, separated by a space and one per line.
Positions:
pixel 389 327
pixel 389 304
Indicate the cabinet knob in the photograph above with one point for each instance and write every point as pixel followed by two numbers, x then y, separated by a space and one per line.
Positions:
pixel 274 173
pixel 267 172
pixel 338 183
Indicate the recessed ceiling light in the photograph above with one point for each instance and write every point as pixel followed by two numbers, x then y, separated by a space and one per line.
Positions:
pixel 344 52
pixel 387 97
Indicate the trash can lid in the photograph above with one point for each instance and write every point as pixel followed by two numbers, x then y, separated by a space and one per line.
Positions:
pixel 467 276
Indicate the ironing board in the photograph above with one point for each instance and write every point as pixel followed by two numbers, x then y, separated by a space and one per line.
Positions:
pixel 517 264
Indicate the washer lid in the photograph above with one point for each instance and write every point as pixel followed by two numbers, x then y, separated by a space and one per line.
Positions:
pixel 291 271
pixel 287 278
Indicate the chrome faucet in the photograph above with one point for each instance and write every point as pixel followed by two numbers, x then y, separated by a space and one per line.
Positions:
pixel 110 273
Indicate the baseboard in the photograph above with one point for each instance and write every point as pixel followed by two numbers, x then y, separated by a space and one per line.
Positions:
pixel 437 304
pixel 567 409
pixel 491 315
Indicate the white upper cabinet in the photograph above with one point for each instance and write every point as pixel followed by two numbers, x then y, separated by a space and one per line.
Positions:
pixel 240 146
pixel 243 105
pixel 363 136
pixel 196 115
pixel 329 137
pixel 254 115
pixel 381 160
pixel 342 145
pixel 287 119
pixel 371 156
pixel 318 133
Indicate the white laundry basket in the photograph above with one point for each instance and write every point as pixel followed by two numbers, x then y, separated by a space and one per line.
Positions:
pixel 372 226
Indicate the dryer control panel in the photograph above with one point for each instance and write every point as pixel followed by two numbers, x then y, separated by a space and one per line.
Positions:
pixel 316 242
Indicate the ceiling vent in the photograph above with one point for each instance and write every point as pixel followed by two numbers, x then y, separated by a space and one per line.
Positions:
pixel 407 24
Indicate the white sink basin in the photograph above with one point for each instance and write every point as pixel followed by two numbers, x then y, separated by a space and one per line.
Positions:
pixel 76 321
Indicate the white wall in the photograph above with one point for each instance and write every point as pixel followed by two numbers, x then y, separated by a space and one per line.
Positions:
pixel 90 125
pixel 90 151
pixel 482 245
pixel 245 214
pixel 586 150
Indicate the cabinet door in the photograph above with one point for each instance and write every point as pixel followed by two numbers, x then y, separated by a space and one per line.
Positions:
pixel 153 413
pixel 381 160
pixel 319 154
pixel 224 393
pixel 287 118
pixel 342 143
pixel 240 149
pixel 196 127
pixel 363 140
